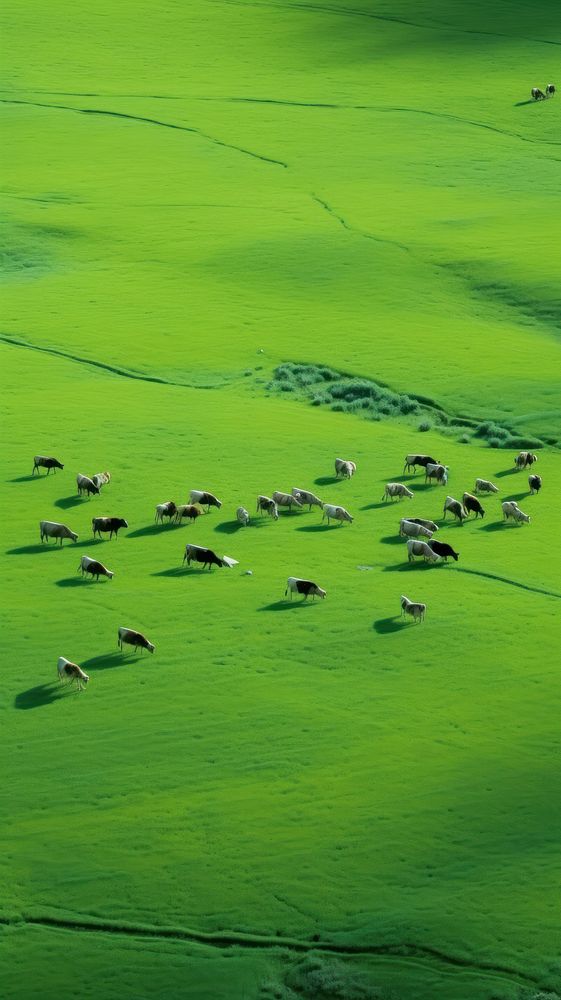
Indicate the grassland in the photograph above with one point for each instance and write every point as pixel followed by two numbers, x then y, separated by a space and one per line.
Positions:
pixel 284 801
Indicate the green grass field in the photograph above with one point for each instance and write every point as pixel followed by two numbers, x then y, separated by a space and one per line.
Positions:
pixel 286 801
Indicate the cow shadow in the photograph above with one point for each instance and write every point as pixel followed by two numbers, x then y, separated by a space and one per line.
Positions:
pixel 518 496
pixel 418 565
pixel 496 526
pixel 232 527
pixel 108 660
pixel 522 104
pixel 73 581
pixel 505 472
pixel 172 571
pixel 375 506
pixel 150 529
pixel 320 527
pixel 66 503
pixel 25 479
pixel 385 626
pixel 286 605
pixel 393 540
pixel 36 697
pixel 327 480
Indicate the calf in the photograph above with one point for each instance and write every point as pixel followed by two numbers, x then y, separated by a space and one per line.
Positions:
pixel 94 568
pixel 40 462
pixel 306 497
pixel 265 505
pixel 305 587
pixel 411 529
pixel 444 550
pixel 344 468
pixel 194 553
pixel 187 510
pixel 415 548
pixel 417 611
pixel 412 461
pixel 131 638
pixel 242 516
pixel 455 508
pixel 71 673
pixel 472 505
pixel 167 509
pixel 205 499
pixel 86 485
pixel 52 529
pixel 396 490
pixel 110 524
pixel 484 486
pixel 286 500
pixel 535 484
pixel 332 512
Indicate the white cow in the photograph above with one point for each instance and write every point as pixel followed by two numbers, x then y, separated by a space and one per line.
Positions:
pixel 101 479
pixel 266 505
pixel 484 486
pixel 242 516
pixel 415 548
pixel 344 468
pixel 332 512
pixel 396 490
pixel 511 509
pixel 456 508
pixel 417 611
pixel 413 530
pixel 286 500
pixel 71 673
pixel 306 497
pixel 52 529
pixel 437 472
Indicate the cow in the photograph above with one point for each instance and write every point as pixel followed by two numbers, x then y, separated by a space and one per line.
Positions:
pixel 188 511
pixel 305 496
pixel 205 499
pixel 412 461
pixel 444 550
pixel 242 516
pixel 537 94
pixel 344 468
pixel 286 500
pixel 550 90
pixel 131 638
pixel 511 509
pixel 86 485
pixel 110 524
pixel 71 673
pixel 535 484
pixel 332 512
pixel 413 530
pixel 95 568
pixel 52 529
pixel 417 611
pixel 523 459
pixel 484 486
pixel 455 508
pixel 437 472
pixel 472 505
pixel 396 490
pixel 416 548
pixel 195 553
pixel 101 479
pixel 265 505
pixel 167 509
pixel 41 462
pixel 423 522
pixel 305 587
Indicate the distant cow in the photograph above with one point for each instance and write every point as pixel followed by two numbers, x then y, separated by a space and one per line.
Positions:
pixel 71 673
pixel 410 529
pixel 40 462
pixel 424 522
pixel 417 611
pixel 167 509
pixel 550 90
pixel 242 516
pixel 538 94
pixel 412 461
pixel 344 468
pixel 444 550
pixel 131 638
pixel 101 479
pixel 195 553
pixel 265 505
pixel 396 490
pixel 205 499
pixel 472 505
pixel 187 511
pixel 422 549
pixel 86 485
pixel 437 472
pixel 286 500
pixel 305 587
pixel 455 508
pixel 110 524
pixel 524 458
pixel 52 529
pixel 94 568
pixel 332 512
pixel 484 486
pixel 306 497
pixel 511 509
pixel 535 484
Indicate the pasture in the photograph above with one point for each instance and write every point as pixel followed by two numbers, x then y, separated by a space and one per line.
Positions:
pixel 287 800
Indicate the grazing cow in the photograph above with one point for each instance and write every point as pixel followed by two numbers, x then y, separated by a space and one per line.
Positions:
pixel 550 90
pixel 535 484
pixel 101 479
pixel 205 499
pixel 167 509
pixel 423 522
pixel 437 472
pixel 472 505
pixel 52 529
pixel 110 524
pixel 332 512
pixel 511 509
pixel 71 673
pixel 412 461
pixel 455 508
pixel 195 553
pixel 306 497
pixel 413 530
pixel 94 567
pixel 187 510
pixel 538 94
pixel 484 486
pixel 86 485
pixel 416 548
pixel 444 550
pixel 132 638
pixel 286 500
pixel 417 611
pixel 396 490
pixel 242 516
pixel 305 587
pixel 40 462
pixel 265 505
pixel 523 459
pixel 344 468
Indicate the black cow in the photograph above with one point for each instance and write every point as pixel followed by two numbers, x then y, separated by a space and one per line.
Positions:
pixel 472 505
pixel 412 461
pixel 443 549
pixel 538 94
pixel 194 553
pixel 40 462
pixel 110 524
pixel 535 483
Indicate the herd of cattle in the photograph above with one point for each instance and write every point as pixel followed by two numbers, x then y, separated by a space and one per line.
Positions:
pixel 418 531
